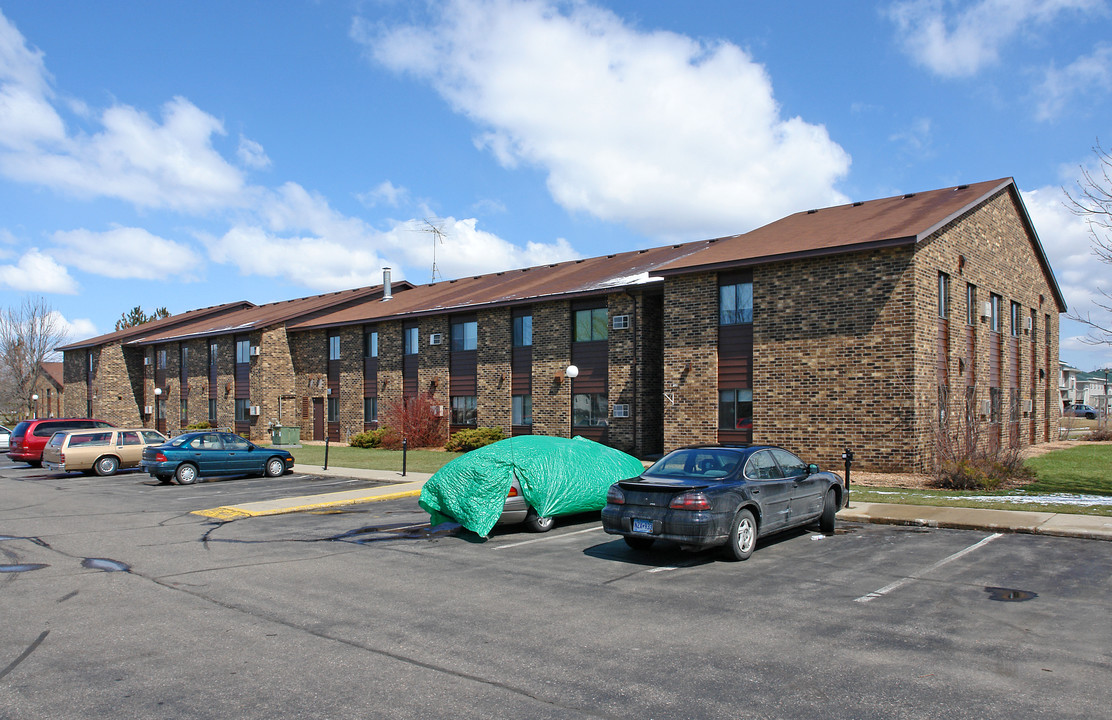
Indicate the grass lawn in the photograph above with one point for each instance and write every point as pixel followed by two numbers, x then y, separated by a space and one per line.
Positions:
pixel 1085 469
pixel 424 461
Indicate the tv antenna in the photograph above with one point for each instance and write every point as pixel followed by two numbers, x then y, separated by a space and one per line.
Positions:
pixel 435 227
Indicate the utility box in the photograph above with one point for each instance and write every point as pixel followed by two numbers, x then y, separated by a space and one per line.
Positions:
pixel 286 436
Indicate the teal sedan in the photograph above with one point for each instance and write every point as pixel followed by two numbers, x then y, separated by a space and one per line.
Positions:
pixel 200 454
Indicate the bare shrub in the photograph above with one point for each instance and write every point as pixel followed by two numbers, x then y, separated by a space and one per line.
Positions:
pixel 970 453
pixel 416 419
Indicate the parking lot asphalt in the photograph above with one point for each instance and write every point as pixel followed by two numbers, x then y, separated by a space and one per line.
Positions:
pixel 395 485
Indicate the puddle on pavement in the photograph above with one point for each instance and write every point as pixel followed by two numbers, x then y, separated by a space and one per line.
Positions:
pixel 1009 595
pixel 21 567
pixel 105 564
pixel 401 531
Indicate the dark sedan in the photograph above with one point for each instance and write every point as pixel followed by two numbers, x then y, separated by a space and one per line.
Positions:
pixel 199 454
pixel 712 495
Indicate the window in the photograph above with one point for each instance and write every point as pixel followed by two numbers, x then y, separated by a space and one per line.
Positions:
pixel 129 438
pixel 90 362
pixel 995 398
pixel 184 361
pixel 1013 406
pixel 970 304
pixel 234 442
pixel 735 409
pixel 464 411
pixel 160 359
pixel 370 344
pixel 735 304
pixel 1034 320
pixel 243 351
pixel 465 335
pixel 370 409
pixel 589 410
pixel 243 409
pixel 994 312
pixel 159 409
pixel 1047 325
pixel 591 325
pixel 333 347
pixel 333 409
pixel 522 409
pixel 412 341
pixel 213 350
pixel 212 411
pixel 1017 318
pixel 184 412
pixel 523 331
pixel 943 295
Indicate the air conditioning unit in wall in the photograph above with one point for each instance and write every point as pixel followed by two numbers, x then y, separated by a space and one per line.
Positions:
pixel 435 338
pixel 254 350
pixel 254 410
pixel 986 309
pixel 148 410
pixel 1027 406
pixel 986 407
pixel 1027 324
pixel 438 410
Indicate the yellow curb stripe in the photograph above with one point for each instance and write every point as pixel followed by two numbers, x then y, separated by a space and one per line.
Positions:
pixel 232 512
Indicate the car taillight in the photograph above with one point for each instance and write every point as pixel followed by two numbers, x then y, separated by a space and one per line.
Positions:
pixel 615 496
pixel 62 458
pixel 159 457
pixel 690 501
pixel 513 492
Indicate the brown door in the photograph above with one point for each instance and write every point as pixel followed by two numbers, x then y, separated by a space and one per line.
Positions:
pixel 318 418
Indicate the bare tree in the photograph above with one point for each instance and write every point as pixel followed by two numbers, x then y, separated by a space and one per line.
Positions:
pixel 29 333
pixel 1092 200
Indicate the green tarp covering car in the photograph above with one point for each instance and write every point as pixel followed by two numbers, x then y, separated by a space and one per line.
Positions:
pixel 557 477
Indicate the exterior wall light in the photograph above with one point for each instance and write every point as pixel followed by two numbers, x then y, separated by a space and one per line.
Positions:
pixel 572 372
pixel 158 391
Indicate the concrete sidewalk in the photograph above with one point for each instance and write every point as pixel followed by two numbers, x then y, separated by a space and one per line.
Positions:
pixel 1093 527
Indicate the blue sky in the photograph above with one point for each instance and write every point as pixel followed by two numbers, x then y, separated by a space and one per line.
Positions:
pixel 188 154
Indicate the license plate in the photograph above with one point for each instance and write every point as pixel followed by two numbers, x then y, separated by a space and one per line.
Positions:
pixel 642 526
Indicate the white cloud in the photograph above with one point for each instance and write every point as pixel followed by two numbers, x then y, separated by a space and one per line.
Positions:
pixel 916 139
pixel 169 164
pixel 385 193
pixel 126 252
pixel 959 40
pixel 37 272
pixel 673 136
pixel 1089 74
pixel 1067 242
pixel 251 154
pixel 75 329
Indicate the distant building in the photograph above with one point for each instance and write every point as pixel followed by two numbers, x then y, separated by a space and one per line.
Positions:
pixel 854 326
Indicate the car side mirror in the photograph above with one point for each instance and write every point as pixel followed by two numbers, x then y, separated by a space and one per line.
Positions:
pixel 812 469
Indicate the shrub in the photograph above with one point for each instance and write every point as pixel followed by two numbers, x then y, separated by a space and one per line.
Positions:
pixel 368 439
pixel 203 425
pixel 969 452
pixel 1100 434
pixel 415 419
pixel 467 440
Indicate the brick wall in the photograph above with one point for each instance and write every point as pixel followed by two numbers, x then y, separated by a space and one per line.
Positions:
pixel 551 356
pixel 495 345
pixel 690 375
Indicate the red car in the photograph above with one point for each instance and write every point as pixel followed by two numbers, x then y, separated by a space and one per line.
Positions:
pixel 30 436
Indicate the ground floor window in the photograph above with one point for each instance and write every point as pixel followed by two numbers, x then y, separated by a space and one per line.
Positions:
pixel 735 409
pixel 333 409
pixel 184 412
pixel 243 409
pixel 589 410
pixel 995 401
pixel 370 409
pixel 522 409
pixel 212 411
pixel 1013 406
pixel 464 410
pixel 160 409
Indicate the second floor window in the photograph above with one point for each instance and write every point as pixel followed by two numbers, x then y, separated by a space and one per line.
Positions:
pixel 243 351
pixel 213 354
pixel 412 341
pixel 160 359
pixel 370 344
pixel 994 312
pixel 1017 318
pixel 333 347
pixel 465 335
pixel 523 331
pixel 735 304
pixel 591 325
pixel 943 295
pixel 970 304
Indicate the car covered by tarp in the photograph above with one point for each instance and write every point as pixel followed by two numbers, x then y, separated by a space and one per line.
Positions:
pixel 557 477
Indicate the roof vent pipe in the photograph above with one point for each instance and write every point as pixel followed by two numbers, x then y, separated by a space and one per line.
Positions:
pixel 386 294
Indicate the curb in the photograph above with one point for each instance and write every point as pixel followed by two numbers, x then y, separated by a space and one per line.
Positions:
pixel 306 503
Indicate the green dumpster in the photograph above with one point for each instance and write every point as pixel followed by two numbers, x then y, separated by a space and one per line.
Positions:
pixel 285 435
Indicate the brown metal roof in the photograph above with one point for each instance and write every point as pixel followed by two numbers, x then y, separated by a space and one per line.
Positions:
pixel 512 287
pixel 53 371
pixel 162 324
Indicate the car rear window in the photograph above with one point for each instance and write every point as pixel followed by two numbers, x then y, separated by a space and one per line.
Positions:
pixel 46 429
pixel 150 437
pixel 57 439
pixel 89 439
pixel 20 429
pixel 129 438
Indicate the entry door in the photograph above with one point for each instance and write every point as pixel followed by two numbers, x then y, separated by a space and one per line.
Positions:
pixel 318 418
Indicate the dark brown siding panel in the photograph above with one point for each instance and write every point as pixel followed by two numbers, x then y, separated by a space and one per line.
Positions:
pixel 370 377
pixel 591 359
pixel 943 352
pixel 735 356
pixel 521 367
pixel 462 367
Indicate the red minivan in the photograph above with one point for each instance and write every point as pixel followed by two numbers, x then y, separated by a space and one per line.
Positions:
pixel 30 436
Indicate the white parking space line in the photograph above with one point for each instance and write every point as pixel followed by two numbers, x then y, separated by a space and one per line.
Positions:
pixel 546 539
pixel 910 578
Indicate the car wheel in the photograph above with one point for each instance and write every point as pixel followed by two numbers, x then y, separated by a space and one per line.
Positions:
pixel 186 474
pixel 1090 416
pixel 536 523
pixel 743 536
pixel 829 510
pixel 639 543
pixel 106 465
pixel 275 467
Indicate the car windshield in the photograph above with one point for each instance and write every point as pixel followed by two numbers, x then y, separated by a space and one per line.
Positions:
pixel 702 463
pixel 179 440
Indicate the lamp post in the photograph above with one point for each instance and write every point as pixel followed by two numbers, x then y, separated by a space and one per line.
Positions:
pixel 35 410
